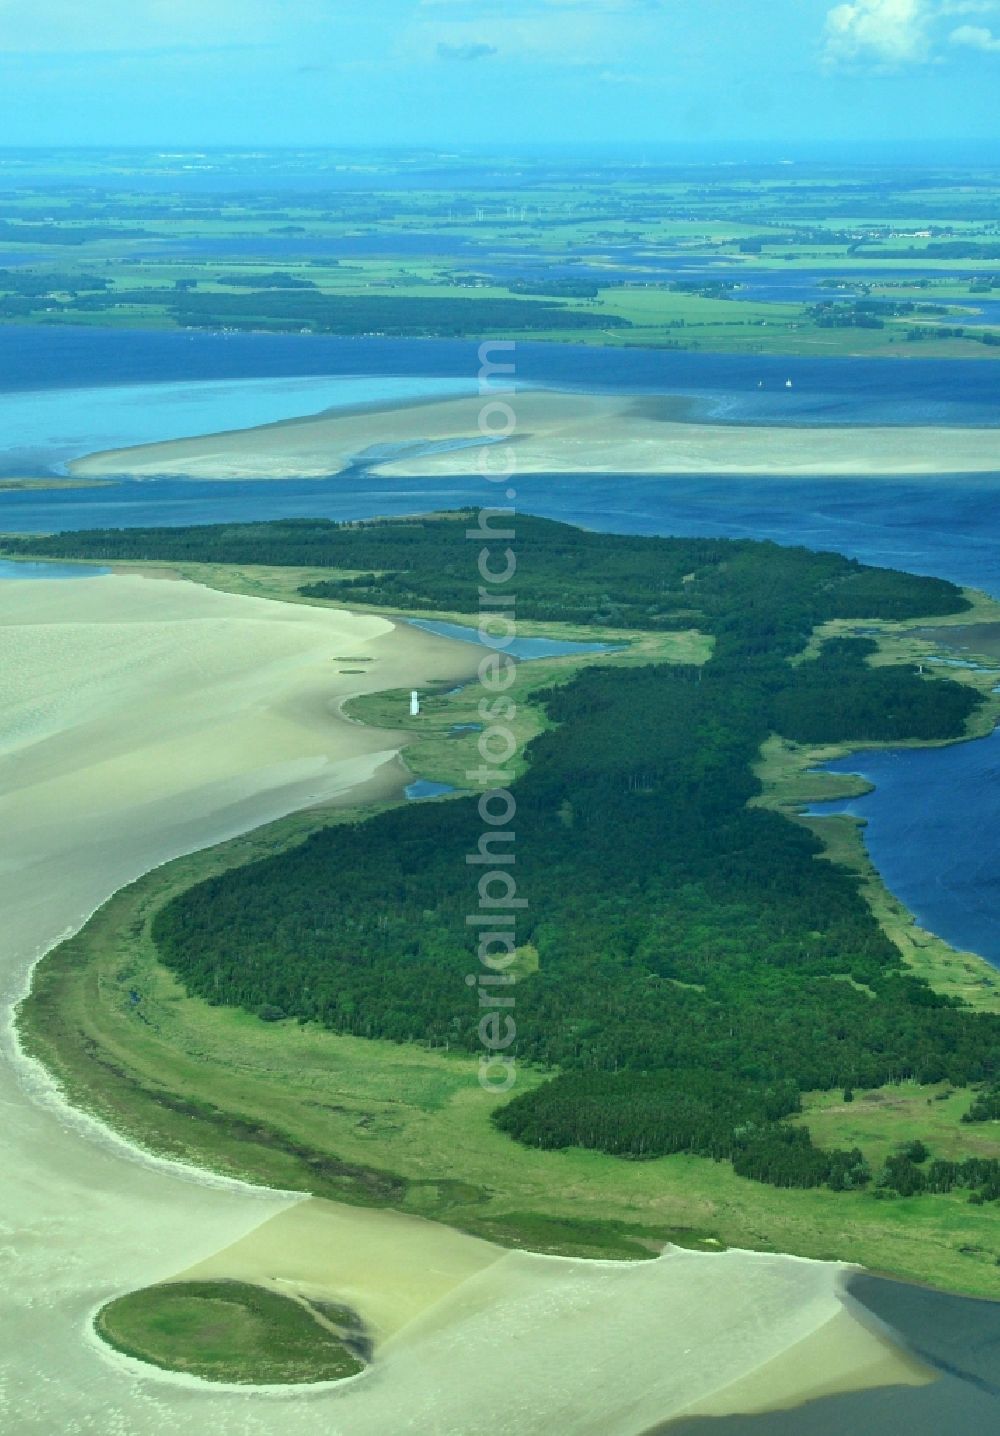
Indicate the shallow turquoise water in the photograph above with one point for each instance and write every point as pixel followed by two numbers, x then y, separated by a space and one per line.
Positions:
pixel 41 430
pixel 522 648
pixel 49 570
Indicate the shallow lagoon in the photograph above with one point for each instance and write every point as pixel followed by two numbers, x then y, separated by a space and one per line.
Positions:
pixel 22 570
pixel 523 648
pixel 925 827
pixel 853 391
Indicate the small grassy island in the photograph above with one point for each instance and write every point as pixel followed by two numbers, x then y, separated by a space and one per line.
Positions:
pixel 728 1032
pixel 232 1331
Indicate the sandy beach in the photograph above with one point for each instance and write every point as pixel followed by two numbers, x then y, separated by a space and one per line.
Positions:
pixel 555 433
pixel 141 719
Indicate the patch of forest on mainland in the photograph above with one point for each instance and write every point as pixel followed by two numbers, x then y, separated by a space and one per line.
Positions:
pixel 302 308
pixel 697 968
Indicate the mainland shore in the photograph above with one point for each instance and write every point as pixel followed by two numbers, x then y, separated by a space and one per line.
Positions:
pixel 555 433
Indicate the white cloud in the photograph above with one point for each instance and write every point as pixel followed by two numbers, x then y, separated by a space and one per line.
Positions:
pixel 969 7
pixel 880 32
pixel 975 37
pixel 888 34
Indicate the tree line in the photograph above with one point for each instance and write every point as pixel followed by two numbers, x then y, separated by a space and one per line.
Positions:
pixel 698 968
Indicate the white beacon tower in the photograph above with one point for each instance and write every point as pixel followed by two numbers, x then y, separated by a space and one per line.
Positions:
pixel 414 703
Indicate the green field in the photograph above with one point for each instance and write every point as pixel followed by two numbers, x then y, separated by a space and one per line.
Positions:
pixel 581 253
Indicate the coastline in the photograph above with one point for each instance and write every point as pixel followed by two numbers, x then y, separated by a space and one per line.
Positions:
pixel 331 1250
pixel 558 432
pixel 116 1254
pixel 112 1218
pixel 956 1338
pixel 793 779
pixel 378 1086
pixel 580 1298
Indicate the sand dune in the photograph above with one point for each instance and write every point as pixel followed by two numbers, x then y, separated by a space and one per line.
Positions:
pixel 555 433
pixel 140 719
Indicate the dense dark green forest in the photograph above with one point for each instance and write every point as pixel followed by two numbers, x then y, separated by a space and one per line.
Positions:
pixel 302 308
pixel 769 598
pixel 986 1107
pixel 277 279
pixel 697 967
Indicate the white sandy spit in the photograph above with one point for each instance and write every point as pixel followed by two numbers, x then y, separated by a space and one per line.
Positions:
pixel 554 433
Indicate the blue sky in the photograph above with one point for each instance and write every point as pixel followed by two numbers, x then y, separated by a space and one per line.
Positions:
pixel 497 72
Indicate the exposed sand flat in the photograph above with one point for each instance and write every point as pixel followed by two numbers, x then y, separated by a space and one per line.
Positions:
pixel 140 719
pixel 389 1267
pixel 843 1354
pixel 607 1348
pixel 123 692
pixel 555 433
pixel 472 1339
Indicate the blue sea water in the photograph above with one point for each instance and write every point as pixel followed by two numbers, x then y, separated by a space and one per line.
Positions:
pixel 985 310
pixel 660 266
pixel 850 391
pixel 947 525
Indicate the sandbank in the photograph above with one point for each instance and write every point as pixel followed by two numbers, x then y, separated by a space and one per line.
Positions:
pixel 958 1338
pixel 122 692
pixel 474 1339
pixel 555 433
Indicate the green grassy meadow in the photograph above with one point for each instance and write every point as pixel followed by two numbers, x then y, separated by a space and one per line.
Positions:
pixel 227 1331
pixel 127 258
